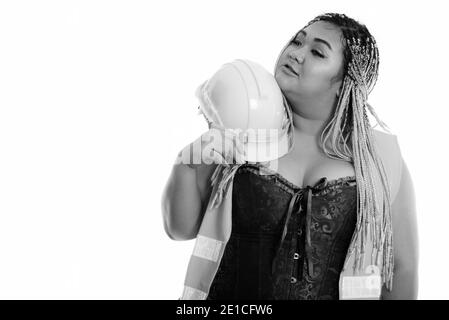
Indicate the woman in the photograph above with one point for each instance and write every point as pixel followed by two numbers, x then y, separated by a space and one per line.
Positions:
pixel 329 203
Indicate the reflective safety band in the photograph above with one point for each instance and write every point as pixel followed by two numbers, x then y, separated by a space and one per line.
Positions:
pixel 361 287
pixel 207 248
pixel 190 293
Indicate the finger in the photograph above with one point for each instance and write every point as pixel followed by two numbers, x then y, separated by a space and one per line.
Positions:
pixel 230 156
pixel 233 137
pixel 218 157
pixel 233 155
pixel 239 158
pixel 216 126
pixel 240 147
pixel 227 142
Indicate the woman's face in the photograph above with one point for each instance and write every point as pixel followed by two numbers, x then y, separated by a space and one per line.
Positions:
pixel 316 57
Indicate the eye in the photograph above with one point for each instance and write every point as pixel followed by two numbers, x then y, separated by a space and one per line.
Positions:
pixel 317 53
pixel 314 52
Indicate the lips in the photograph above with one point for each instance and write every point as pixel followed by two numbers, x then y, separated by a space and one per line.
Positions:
pixel 291 69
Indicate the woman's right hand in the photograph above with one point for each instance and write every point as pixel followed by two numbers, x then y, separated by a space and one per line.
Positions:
pixel 187 192
pixel 217 145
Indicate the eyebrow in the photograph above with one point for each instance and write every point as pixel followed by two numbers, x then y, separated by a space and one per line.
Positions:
pixel 317 39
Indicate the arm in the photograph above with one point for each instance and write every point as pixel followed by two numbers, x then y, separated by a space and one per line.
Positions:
pixel 188 189
pixel 184 199
pixel 405 242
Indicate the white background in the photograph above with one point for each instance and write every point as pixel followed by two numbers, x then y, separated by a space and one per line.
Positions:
pixel 97 98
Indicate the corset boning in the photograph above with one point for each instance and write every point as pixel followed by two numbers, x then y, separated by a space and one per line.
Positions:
pixel 260 262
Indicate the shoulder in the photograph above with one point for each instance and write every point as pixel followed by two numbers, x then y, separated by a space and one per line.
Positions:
pixel 387 147
pixel 383 137
pixel 386 144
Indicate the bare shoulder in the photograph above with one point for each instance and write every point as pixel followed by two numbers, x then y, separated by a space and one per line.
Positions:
pixel 388 150
pixel 383 136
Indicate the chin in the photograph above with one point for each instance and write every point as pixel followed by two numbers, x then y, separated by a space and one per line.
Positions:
pixel 287 84
pixel 282 79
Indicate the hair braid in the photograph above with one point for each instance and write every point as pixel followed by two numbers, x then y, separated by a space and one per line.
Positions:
pixel 351 139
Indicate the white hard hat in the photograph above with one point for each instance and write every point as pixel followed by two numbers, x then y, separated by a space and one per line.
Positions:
pixel 243 96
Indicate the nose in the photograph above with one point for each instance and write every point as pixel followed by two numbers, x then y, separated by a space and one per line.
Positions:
pixel 296 55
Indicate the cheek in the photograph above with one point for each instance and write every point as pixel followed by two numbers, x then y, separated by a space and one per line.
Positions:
pixel 323 72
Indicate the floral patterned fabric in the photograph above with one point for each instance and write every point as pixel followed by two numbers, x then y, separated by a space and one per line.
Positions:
pixel 303 264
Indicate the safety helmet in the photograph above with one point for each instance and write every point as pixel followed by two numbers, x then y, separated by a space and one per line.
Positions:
pixel 244 97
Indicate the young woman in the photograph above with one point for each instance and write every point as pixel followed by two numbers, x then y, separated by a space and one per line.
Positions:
pixel 332 199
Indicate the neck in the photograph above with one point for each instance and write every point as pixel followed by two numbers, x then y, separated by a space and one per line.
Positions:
pixel 307 127
pixel 309 119
pixel 309 123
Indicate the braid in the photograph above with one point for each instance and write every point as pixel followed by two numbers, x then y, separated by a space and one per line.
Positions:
pixel 350 137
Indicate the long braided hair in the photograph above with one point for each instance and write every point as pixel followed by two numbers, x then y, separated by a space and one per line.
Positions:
pixel 349 135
